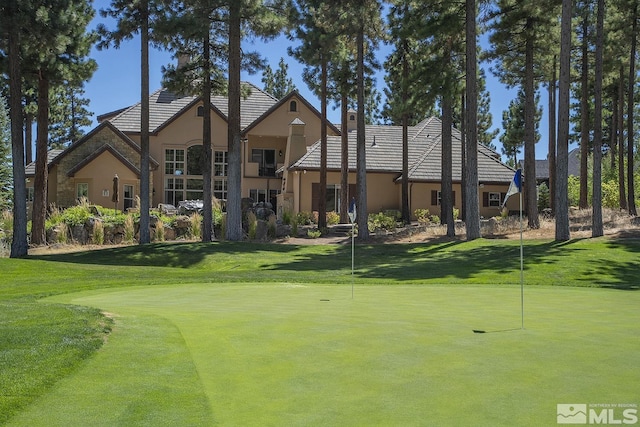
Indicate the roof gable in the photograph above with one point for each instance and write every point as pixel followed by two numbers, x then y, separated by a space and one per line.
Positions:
pixel 283 102
pixel 165 105
pixel 94 155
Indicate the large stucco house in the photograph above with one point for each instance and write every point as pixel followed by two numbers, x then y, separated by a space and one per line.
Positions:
pixel 280 158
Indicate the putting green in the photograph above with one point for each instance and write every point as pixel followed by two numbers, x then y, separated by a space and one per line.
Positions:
pixel 311 355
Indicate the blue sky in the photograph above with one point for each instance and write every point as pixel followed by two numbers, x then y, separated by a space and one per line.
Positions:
pixel 116 83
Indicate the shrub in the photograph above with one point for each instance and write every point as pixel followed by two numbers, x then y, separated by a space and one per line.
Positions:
pixel 294 229
pixel 435 219
pixel 456 214
pixel 333 218
pixel 382 221
pixel 314 234
pixel 159 232
pixel 63 233
pixel 76 215
pixel 306 218
pixel 6 227
pixel 422 215
pixel 129 228
pixel 195 230
pixel 272 226
pixel 97 235
pixel 286 218
pixel 252 224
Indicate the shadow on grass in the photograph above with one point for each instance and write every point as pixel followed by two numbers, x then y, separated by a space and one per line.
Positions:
pixel 453 260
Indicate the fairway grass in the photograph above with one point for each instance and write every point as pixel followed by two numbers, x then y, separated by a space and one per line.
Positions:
pixel 400 355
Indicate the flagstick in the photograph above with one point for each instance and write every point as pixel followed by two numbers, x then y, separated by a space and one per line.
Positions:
pixel 353 237
pixel 521 267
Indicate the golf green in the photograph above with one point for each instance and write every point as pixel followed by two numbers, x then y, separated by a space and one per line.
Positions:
pixel 313 355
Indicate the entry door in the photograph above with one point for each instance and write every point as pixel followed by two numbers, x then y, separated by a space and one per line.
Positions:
pixel 128 196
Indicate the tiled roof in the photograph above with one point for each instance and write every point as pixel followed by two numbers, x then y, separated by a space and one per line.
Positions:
pixel 573 166
pixel 165 105
pixel 30 169
pixel 384 154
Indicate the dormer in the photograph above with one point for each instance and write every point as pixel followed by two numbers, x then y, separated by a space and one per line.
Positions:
pixel 352 122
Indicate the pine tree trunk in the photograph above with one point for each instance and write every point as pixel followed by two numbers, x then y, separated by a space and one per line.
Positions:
pixel 234 198
pixel 597 228
pixel 584 115
pixel 19 245
pixel 472 212
pixel 530 192
pixel 39 214
pixel 406 214
pixel 562 177
pixel 630 107
pixel 551 157
pixel 344 165
pixel 207 193
pixel 145 192
pixel 621 151
pixel 322 202
pixel 361 211
pixel 446 191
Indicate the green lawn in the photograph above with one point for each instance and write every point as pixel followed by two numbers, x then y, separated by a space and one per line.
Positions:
pixel 234 334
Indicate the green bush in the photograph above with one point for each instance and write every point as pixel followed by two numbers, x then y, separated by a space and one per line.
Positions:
pixel 382 221
pixel 422 215
pixel 434 219
pixel 456 214
pixel 286 218
pixel 305 218
pixel 333 218
pixel 76 215
pixel 314 234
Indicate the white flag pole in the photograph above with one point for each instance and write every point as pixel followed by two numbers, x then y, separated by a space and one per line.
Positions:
pixel 352 217
pixel 521 266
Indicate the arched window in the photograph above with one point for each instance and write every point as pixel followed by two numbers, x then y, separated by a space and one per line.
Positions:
pixel 200 112
pixel 352 117
pixel 293 106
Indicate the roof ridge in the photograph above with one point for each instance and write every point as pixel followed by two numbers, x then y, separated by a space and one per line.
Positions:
pixel 425 153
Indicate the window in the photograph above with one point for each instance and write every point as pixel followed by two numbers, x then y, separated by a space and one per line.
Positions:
pixel 266 160
pixel 128 196
pixel 494 199
pixel 293 106
pixel 333 196
pixel 220 165
pixel 261 195
pixel 183 174
pixel 195 158
pixel 173 190
pixel 436 197
pixel 173 161
pixel 82 190
pixel 200 111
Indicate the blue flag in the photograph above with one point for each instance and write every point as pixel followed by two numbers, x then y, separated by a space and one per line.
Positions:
pixel 352 210
pixel 515 186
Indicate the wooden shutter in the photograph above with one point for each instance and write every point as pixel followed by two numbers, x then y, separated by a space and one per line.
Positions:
pixel 434 197
pixel 485 199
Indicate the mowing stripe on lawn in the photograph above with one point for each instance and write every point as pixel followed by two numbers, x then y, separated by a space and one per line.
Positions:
pixel 393 355
pixel 144 376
